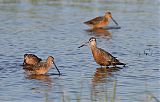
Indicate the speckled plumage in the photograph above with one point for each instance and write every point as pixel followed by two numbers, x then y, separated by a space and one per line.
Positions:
pixel 100 21
pixel 102 57
pixel 31 59
pixel 41 68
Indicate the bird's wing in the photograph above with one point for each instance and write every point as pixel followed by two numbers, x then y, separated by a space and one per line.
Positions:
pixel 106 55
pixel 95 20
pixel 34 67
pixel 35 57
pixel 28 67
pixel 41 64
pixel 39 59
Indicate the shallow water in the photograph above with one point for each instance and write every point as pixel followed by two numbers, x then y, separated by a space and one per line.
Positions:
pixel 46 27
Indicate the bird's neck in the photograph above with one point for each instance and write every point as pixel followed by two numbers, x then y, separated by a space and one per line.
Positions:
pixel 106 17
pixel 49 63
pixel 93 48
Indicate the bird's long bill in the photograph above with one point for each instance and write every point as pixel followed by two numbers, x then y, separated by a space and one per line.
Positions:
pixel 57 68
pixel 114 21
pixel 83 44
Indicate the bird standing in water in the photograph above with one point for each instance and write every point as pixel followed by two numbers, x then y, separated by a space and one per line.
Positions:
pixel 31 59
pixel 100 21
pixel 41 67
pixel 102 57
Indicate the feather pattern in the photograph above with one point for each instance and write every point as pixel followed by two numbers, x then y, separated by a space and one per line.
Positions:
pixel 101 56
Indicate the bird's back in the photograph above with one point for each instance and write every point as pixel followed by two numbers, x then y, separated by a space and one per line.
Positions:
pixel 104 58
pixel 94 21
pixel 40 68
pixel 97 22
pixel 31 59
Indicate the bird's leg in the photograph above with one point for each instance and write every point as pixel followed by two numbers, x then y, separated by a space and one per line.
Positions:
pixel 124 65
pixel 114 66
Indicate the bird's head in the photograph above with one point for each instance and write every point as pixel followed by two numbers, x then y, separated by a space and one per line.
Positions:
pixel 50 59
pixel 108 15
pixel 91 42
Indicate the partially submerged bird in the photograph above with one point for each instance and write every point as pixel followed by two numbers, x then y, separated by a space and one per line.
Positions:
pixel 102 57
pixel 31 59
pixel 100 21
pixel 41 67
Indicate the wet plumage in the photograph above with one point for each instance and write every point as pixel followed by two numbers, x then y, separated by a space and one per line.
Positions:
pixel 41 68
pixel 31 59
pixel 100 21
pixel 102 57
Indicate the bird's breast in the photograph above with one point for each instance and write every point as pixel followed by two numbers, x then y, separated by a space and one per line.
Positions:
pixel 99 57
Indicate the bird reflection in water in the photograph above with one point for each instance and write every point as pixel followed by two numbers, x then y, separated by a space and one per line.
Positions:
pixel 101 74
pixel 44 78
pixel 104 84
pixel 100 32
pixel 42 84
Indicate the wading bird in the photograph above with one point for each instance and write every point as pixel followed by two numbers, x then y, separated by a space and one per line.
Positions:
pixel 42 67
pixel 102 57
pixel 100 21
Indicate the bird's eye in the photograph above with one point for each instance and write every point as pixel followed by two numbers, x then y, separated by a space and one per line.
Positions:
pixel 109 12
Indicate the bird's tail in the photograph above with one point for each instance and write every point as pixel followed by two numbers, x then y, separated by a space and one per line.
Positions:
pixel 121 64
pixel 87 22
pixel 117 62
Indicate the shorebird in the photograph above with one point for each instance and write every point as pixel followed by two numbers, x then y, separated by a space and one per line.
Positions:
pixel 100 21
pixel 31 59
pixel 102 57
pixel 42 67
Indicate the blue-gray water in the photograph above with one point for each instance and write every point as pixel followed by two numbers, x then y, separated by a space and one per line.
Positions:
pixel 46 27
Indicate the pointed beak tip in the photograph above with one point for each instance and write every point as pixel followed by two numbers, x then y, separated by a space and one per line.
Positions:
pixel 114 21
pixel 57 68
pixel 80 46
pixel 117 24
pixel 85 44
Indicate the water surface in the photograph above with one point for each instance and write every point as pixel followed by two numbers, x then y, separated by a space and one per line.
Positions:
pixel 46 27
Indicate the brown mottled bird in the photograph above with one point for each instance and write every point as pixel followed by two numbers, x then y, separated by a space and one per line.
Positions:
pixel 100 21
pixel 31 59
pixel 102 57
pixel 42 67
